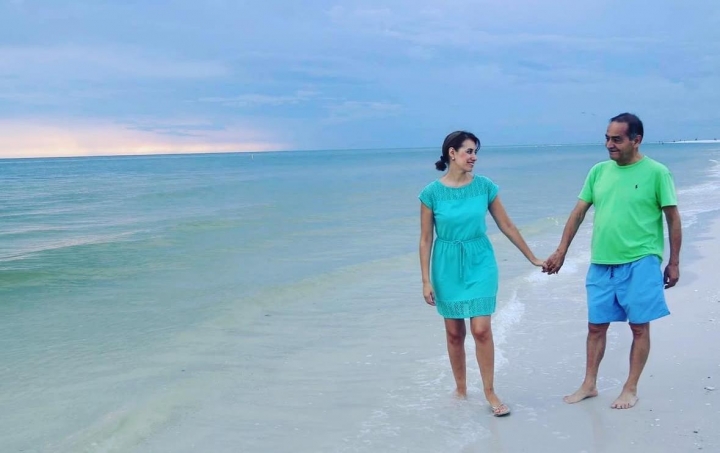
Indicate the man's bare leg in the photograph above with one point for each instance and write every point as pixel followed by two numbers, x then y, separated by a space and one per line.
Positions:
pixel 638 357
pixel 596 341
pixel 455 335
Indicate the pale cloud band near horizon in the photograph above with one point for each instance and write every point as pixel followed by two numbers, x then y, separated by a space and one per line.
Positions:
pixel 22 139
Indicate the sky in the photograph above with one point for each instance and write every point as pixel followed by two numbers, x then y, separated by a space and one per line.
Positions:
pixel 93 77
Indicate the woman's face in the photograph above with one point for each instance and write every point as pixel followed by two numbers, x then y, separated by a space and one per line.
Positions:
pixel 465 156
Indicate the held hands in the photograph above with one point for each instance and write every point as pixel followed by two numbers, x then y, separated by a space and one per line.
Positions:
pixel 537 262
pixel 554 263
pixel 671 275
pixel 429 294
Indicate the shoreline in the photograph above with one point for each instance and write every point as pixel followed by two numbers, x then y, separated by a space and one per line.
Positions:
pixel 685 142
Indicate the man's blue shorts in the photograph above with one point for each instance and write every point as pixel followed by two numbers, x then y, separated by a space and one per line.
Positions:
pixel 633 292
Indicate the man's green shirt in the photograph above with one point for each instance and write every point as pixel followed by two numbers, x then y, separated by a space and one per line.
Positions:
pixel 628 204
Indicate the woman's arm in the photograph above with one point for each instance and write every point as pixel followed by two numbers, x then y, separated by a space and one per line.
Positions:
pixel 508 228
pixel 427 225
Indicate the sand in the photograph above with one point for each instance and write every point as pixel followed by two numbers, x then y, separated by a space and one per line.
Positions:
pixel 678 410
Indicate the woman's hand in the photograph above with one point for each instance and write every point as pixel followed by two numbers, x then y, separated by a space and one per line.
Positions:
pixel 429 294
pixel 537 262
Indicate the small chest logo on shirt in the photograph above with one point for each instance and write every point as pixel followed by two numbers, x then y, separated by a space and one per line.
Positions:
pixel 636 186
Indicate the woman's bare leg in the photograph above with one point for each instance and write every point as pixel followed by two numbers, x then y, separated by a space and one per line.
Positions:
pixel 455 334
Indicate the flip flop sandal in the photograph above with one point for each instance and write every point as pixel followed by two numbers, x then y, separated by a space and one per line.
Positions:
pixel 501 410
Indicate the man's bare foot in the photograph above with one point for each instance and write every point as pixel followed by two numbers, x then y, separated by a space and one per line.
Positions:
pixel 581 394
pixel 626 400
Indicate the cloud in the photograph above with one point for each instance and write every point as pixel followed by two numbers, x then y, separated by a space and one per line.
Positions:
pixel 47 138
pixel 20 92
pixel 85 62
pixel 186 128
pixel 444 26
pixel 252 100
pixel 357 110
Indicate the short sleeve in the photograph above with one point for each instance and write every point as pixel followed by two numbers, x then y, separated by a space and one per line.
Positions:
pixel 426 197
pixel 586 194
pixel 493 190
pixel 665 189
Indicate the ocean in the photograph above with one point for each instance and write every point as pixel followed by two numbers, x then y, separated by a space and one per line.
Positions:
pixel 267 301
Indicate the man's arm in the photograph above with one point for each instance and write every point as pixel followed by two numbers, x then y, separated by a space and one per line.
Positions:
pixel 672 270
pixel 556 260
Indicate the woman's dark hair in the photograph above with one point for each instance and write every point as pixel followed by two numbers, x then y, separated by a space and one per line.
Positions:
pixel 454 140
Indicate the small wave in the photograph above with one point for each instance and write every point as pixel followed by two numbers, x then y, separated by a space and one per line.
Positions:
pixel 510 314
pixel 31 229
pixel 536 278
pixel 40 212
pixel 64 244
pixel 12 278
pixel 701 198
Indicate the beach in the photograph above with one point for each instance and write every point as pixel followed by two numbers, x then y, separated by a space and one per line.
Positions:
pixel 222 303
pixel 678 409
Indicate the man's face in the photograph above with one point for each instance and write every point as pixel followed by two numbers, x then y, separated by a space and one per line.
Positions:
pixel 622 150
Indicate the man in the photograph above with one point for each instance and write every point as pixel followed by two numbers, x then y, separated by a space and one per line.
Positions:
pixel 630 193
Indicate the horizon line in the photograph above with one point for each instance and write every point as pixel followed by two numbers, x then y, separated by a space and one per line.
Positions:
pixel 196 153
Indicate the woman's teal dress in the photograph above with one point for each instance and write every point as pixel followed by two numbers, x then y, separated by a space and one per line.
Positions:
pixel 463 268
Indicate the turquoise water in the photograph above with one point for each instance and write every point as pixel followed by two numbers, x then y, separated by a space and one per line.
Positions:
pixel 200 302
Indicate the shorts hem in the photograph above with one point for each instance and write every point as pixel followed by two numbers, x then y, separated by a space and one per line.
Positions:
pixel 628 320
pixel 607 321
pixel 650 319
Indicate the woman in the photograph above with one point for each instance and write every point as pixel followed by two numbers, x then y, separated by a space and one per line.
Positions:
pixel 464 279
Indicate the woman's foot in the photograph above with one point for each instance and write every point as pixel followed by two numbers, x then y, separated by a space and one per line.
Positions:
pixel 498 407
pixel 500 410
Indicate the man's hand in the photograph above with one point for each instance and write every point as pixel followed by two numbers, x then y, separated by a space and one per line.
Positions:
pixel 554 263
pixel 671 275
